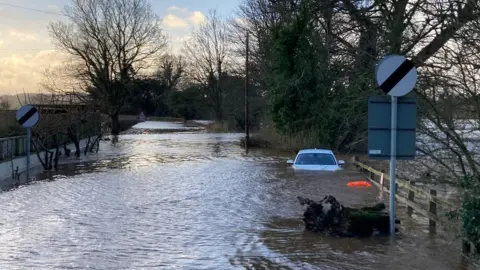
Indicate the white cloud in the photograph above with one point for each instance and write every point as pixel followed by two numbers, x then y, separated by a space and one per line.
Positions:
pixel 174 21
pixel 26 50
pixel 25 71
pixel 21 35
pixel 177 23
pixel 181 17
pixel 197 17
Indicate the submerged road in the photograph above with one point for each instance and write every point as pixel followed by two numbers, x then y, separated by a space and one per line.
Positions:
pixel 194 201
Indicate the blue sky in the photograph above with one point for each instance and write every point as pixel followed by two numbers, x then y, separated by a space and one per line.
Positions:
pixel 26 50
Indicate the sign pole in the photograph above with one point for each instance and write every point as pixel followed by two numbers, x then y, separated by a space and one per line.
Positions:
pixel 396 76
pixel 393 163
pixel 247 127
pixel 29 138
pixel 28 116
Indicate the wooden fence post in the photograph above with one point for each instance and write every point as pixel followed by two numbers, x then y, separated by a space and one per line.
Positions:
pixel 411 198
pixel 432 208
pixel 467 247
pixel 382 179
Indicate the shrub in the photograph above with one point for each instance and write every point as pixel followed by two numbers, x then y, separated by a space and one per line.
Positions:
pixel 471 210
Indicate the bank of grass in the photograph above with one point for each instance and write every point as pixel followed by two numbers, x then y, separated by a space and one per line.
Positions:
pixel 269 137
pixel 218 127
pixel 126 124
pixel 166 119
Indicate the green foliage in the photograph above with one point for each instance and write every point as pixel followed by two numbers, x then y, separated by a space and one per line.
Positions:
pixel 155 98
pixel 316 86
pixel 471 209
pixel 292 83
pixel 148 95
pixel 307 93
pixel 189 103
pixel 234 103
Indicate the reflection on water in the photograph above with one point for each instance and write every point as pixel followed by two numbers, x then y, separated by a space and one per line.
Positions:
pixel 194 201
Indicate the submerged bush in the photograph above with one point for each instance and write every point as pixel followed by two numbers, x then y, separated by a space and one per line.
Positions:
pixel 471 210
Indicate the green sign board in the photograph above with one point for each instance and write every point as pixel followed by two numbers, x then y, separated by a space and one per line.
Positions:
pixel 379 127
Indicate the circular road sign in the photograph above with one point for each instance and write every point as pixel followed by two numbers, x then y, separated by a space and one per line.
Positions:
pixel 28 116
pixel 396 75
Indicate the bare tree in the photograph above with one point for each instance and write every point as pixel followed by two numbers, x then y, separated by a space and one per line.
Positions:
pixel 59 81
pixel 110 41
pixel 61 124
pixel 208 54
pixel 450 111
pixel 4 103
pixel 170 70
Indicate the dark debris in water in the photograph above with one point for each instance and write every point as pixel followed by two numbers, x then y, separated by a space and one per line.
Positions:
pixel 329 216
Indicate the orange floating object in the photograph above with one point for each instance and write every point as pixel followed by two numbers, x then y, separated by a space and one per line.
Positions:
pixel 359 184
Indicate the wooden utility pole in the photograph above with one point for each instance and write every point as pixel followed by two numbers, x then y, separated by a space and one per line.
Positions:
pixel 247 132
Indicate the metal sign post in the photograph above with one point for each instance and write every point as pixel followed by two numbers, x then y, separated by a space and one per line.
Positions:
pixel 396 76
pixel 393 163
pixel 28 116
pixel 29 139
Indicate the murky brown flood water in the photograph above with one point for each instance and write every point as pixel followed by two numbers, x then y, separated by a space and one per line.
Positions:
pixel 194 201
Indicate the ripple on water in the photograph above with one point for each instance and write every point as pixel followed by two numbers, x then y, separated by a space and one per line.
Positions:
pixel 193 201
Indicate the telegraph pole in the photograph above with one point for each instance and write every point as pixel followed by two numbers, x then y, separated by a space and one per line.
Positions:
pixel 247 132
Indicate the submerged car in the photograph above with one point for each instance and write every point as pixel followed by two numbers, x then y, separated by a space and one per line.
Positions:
pixel 316 160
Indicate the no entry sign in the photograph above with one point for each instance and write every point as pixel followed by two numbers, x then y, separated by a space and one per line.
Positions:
pixel 396 75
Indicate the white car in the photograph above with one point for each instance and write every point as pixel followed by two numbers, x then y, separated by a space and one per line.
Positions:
pixel 316 160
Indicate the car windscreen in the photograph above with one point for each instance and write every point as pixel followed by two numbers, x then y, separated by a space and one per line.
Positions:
pixel 315 159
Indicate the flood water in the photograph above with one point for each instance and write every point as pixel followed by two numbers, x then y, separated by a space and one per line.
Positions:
pixel 195 201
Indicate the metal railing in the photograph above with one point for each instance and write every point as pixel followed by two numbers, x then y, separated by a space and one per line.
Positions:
pixel 13 147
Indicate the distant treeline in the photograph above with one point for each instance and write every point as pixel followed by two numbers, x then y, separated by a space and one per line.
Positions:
pixel 154 98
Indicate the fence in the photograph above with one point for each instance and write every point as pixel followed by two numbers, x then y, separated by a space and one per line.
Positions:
pixel 12 147
pixel 9 125
pixel 424 202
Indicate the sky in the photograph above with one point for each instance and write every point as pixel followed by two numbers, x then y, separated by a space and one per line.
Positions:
pixel 26 49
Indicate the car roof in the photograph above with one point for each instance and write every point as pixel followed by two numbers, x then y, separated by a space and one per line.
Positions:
pixel 321 151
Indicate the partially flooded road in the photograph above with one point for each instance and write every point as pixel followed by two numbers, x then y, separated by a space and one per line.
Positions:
pixel 194 201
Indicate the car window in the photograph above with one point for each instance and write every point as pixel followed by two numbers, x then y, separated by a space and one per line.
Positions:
pixel 315 159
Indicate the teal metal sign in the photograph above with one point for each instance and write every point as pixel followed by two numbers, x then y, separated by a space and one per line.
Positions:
pixel 379 127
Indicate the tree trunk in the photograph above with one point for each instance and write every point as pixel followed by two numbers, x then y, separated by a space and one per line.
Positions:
pixel 57 152
pixel 66 150
pixel 218 113
pixel 73 135
pixel 88 145
pixel 77 148
pixel 115 128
